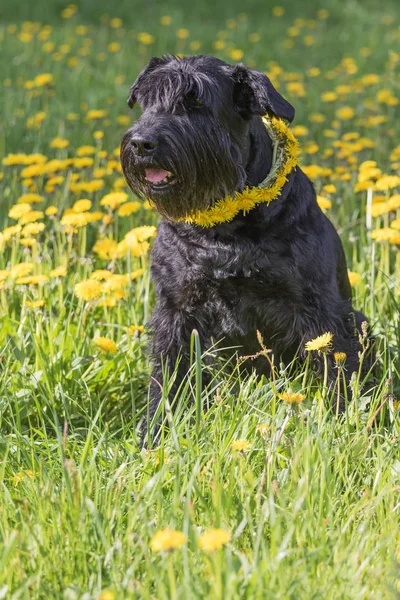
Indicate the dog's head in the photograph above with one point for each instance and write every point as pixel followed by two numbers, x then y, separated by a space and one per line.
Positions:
pixel 191 145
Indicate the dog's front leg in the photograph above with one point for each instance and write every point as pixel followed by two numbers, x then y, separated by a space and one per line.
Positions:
pixel 171 332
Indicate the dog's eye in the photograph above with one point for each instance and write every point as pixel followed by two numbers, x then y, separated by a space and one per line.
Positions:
pixel 193 102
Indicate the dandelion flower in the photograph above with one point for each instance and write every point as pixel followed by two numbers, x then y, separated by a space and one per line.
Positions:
pixel 240 445
pixel 383 234
pixel 132 329
pixel 167 540
pixel 19 210
pixel 32 229
pixel 387 182
pixel 143 233
pixel 354 278
pixel 51 210
pixel 345 113
pixel 105 248
pixel 292 397
pixel 324 203
pixel 31 217
pixel 74 220
pixel 114 200
pixel 32 280
pixel 21 270
pixel 106 344
pixel 322 343
pixel 213 539
pixel 35 303
pixel 58 272
pixel 81 206
pixel 101 275
pixel 106 595
pixel 88 290
pixel 29 199
pixel 128 209
pixel 395 224
pixel 263 428
pixel 340 358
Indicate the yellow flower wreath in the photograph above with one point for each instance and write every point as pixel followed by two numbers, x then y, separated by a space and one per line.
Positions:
pixel 285 158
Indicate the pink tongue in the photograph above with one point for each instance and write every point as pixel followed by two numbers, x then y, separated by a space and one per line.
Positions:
pixel 156 175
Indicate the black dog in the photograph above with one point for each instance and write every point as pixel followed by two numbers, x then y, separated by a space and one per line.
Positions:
pixel 279 269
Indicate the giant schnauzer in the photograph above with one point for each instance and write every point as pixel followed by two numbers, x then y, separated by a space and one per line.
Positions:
pixel 278 268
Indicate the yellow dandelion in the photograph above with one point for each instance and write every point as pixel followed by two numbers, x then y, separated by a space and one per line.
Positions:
pixel 240 445
pixel 213 539
pixel 108 302
pixel 394 202
pixel 384 234
pixel 107 219
pixel 395 224
pixel 387 182
pixel 143 233
pixel 167 540
pixel 21 270
pixel 10 232
pixel 31 217
pixel 278 11
pixel 135 274
pixel 28 242
pixel 96 114
pixel 324 203
pixel 106 344
pixel 380 208
pixel 88 290
pixel 34 303
pixel 82 163
pixel 94 216
pixel 32 280
pixel 292 397
pixel 74 220
pixel 19 210
pixel 58 272
pixel 132 329
pixel 107 595
pixel 264 428
pixel 345 113
pixel 114 200
pixel 114 283
pixel 322 343
pixel 51 210
pixel 128 209
pixel 105 248
pixel 340 358
pixel 59 142
pixel 81 206
pixel 101 275
pixel 32 229
pixel 354 278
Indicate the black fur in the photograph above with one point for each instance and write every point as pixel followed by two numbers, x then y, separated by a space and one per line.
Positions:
pixel 280 269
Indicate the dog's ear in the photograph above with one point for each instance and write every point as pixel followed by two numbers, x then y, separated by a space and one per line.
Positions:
pixel 253 93
pixel 151 66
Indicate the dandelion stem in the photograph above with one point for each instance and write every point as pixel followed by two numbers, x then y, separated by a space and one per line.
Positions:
pixel 171 578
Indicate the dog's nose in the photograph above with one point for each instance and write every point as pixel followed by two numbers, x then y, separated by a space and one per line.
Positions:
pixel 144 146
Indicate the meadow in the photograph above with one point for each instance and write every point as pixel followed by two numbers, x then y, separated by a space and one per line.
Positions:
pixel 256 497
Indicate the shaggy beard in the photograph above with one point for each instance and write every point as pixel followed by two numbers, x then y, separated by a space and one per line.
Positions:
pixel 207 167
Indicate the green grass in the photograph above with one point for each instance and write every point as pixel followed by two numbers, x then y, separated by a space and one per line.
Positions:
pixel 311 502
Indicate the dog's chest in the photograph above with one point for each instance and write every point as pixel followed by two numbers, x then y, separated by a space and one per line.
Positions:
pixel 235 290
pixel 231 289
